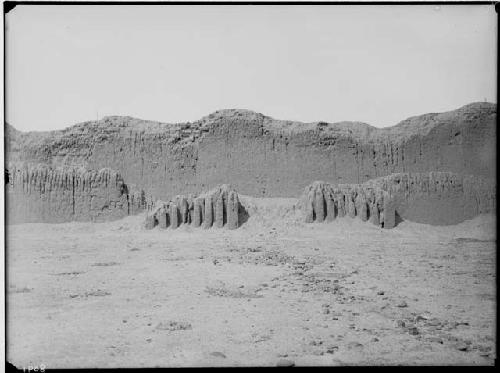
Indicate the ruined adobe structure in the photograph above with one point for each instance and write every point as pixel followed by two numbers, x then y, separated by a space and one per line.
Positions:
pixel 258 155
pixel 39 193
pixel 432 198
pixel 218 208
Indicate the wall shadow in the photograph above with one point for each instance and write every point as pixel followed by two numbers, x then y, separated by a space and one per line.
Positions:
pixel 397 219
pixel 242 215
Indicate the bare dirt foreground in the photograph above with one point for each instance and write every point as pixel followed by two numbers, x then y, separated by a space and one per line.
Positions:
pixel 275 291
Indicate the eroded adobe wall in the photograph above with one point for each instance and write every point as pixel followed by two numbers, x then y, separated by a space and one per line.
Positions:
pixel 437 198
pixel 262 157
pixel 263 164
pixel 440 198
pixel 38 193
pixel 220 207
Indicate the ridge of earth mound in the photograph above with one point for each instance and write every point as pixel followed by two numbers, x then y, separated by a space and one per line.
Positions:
pixel 262 156
pixel 111 125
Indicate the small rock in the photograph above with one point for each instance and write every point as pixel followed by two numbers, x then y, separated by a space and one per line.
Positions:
pixel 332 349
pixel 433 322
pixel 462 346
pixel 400 324
pixel 218 354
pixel 419 318
pixel 285 363
pixel 413 331
pixel 402 304
pixel 174 325
pixel 375 339
pixel 435 339
pixel 316 343
pixel 380 293
pixel 352 345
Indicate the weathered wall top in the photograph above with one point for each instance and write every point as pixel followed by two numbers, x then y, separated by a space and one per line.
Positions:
pixel 262 156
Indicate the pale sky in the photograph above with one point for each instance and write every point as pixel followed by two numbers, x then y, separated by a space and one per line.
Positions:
pixel 375 64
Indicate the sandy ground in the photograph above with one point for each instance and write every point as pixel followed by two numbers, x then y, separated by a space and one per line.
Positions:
pixel 273 292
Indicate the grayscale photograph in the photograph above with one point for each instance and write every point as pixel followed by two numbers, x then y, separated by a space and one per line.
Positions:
pixel 238 185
